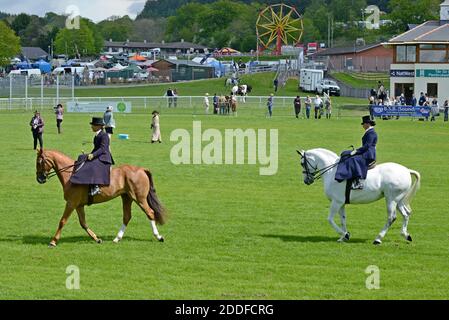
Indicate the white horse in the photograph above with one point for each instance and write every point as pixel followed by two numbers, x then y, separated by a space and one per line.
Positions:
pixel 390 180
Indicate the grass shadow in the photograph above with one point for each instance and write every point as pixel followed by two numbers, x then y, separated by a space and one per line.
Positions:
pixel 314 239
pixel 45 240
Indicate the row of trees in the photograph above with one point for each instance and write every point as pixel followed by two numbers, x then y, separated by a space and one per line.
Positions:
pixel 214 23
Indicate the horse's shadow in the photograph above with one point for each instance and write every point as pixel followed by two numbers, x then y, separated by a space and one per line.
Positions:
pixel 314 239
pixel 39 240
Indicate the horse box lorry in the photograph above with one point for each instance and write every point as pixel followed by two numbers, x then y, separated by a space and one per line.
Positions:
pixel 309 79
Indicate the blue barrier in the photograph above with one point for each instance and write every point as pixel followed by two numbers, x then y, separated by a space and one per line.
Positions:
pixel 401 111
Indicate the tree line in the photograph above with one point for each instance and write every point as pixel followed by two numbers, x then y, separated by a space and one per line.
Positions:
pixel 214 23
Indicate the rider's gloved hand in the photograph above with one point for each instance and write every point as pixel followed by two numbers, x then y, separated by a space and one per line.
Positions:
pixel 353 152
pixel 90 156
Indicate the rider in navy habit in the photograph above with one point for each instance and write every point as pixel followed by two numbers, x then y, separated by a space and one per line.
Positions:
pixel 354 164
pixel 94 168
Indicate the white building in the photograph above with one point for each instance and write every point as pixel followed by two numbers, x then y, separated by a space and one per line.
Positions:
pixel 421 59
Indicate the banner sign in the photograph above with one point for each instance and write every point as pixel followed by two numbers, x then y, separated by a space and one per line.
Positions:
pixel 98 107
pixel 432 73
pixel 402 73
pixel 402 111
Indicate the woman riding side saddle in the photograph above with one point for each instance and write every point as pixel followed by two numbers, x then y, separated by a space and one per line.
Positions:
pixel 354 164
pixel 94 169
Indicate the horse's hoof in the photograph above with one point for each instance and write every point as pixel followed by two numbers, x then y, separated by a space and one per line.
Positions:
pixel 347 236
pixel 409 238
pixel 52 245
pixel 377 242
pixel 161 239
pixel 99 241
pixel 116 240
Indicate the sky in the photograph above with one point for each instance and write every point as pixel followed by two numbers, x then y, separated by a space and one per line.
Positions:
pixel 95 10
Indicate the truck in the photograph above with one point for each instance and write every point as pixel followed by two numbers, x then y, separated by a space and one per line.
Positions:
pixel 312 47
pixel 309 79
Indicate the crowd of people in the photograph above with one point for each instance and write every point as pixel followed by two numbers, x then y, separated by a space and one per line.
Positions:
pixel 380 98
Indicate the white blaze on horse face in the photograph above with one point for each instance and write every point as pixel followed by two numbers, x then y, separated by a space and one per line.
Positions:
pixel 270 160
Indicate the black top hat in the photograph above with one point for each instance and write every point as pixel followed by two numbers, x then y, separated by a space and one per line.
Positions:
pixel 97 121
pixel 367 119
pixel 155 112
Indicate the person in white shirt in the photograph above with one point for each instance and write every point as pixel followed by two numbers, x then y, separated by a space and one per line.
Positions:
pixel 206 103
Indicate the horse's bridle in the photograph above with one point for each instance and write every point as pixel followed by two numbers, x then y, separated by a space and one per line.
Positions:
pixel 45 175
pixel 317 173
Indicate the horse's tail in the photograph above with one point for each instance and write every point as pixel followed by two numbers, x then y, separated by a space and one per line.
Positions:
pixel 412 191
pixel 154 203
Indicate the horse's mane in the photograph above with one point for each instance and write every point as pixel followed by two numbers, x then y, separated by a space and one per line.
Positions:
pixel 325 151
pixel 59 153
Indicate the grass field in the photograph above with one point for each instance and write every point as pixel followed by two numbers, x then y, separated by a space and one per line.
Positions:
pixel 231 233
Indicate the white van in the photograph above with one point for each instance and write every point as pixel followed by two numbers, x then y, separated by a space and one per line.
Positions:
pixel 69 70
pixel 151 53
pixel 26 72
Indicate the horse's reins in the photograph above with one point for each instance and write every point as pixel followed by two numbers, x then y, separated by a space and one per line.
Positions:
pixel 318 173
pixel 53 173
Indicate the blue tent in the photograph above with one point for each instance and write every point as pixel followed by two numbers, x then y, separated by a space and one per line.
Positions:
pixel 42 65
pixel 219 68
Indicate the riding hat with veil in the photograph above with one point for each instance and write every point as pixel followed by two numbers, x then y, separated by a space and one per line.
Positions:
pixel 97 170
pixel 354 165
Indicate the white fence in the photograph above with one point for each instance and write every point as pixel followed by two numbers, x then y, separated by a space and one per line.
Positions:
pixel 187 105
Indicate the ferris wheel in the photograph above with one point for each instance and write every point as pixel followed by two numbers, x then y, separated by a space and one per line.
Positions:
pixel 278 25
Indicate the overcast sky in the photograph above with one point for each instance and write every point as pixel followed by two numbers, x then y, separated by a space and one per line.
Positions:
pixel 95 10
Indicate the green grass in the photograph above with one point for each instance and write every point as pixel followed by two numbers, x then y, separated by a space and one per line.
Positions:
pixel 232 234
pixel 362 80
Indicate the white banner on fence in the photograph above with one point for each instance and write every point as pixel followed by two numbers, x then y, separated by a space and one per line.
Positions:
pixel 95 106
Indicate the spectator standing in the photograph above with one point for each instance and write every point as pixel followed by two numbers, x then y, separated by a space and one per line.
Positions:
pixel 206 103
pixel 215 103
pixel 446 110
pixel 422 99
pixel 328 107
pixel 435 109
pixel 297 103
pixel 109 122
pixel 276 83
pixel 270 105
pixel 37 128
pixel 169 94
pixel 414 101
pixel 308 103
pixel 175 97
pixel 156 128
pixel 318 105
pixel 59 111
pixel 371 107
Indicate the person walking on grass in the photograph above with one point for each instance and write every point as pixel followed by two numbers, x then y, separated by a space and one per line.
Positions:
pixel 109 122
pixel 37 128
pixel 156 136
pixel 328 107
pixel 59 111
pixel 446 110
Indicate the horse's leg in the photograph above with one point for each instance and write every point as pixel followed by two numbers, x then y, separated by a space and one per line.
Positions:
pixel 67 212
pixel 126 202
pixel 335 207
pixel 391 212
pixel 347 235
pixel 143 204
pixel 82 219
pixel 405 212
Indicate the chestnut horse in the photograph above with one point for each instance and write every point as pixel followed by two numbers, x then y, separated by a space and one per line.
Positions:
pixel 130 182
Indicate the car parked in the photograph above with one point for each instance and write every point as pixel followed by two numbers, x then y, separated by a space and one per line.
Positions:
pixel 328 86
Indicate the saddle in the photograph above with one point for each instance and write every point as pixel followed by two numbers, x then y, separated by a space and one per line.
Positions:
pixel 349 182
